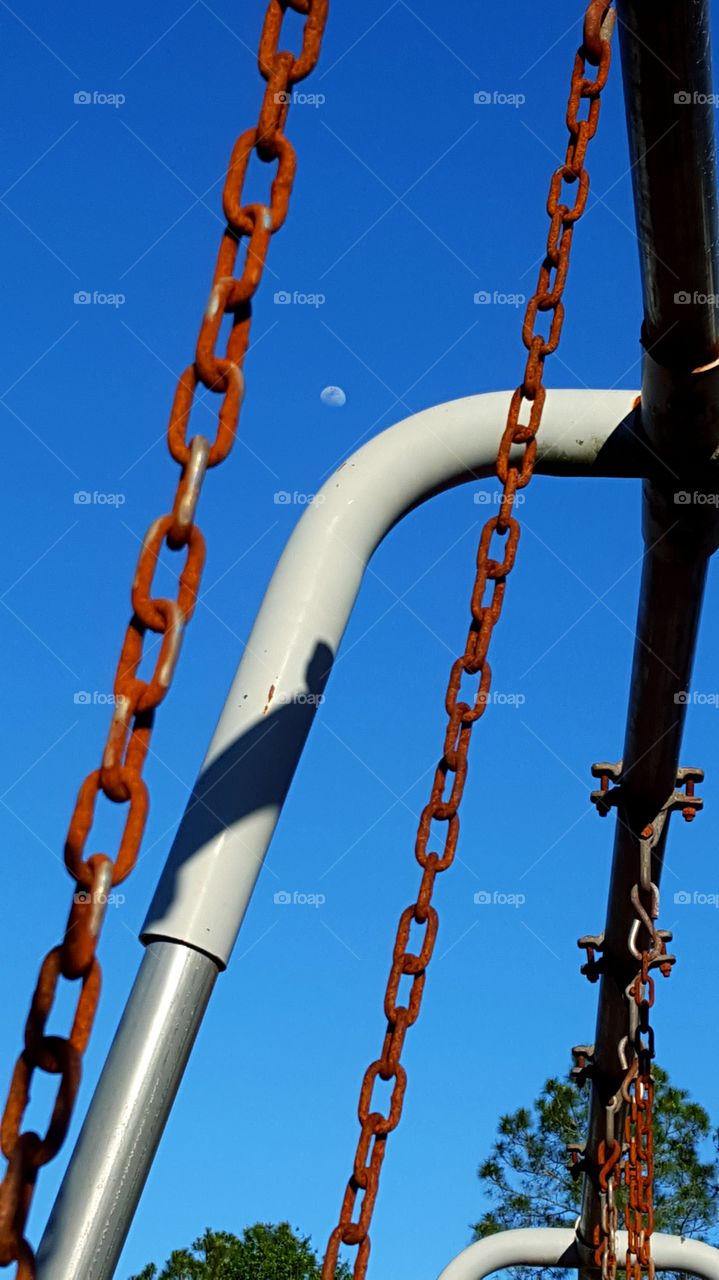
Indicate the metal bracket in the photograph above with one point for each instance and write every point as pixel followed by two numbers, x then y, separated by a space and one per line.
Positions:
pixel 686 801
pixel 579 1164
pixel 594 966
pixel 583 1055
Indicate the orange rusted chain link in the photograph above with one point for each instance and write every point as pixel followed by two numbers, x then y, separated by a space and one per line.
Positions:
pixel 514 473
pixel 639 1128
pixel 631 1160
pixel 119 776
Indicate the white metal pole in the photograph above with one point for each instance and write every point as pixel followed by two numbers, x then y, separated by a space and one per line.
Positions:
pixel 557 1247
pixel 216 857
pixel 223 837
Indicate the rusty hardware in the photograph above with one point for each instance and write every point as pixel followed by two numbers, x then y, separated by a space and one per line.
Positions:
pixel 583 1055
pixel 119 777
pixel 630 1157
pixel 686 801
pixel 353 1227
pixel 638 1089
pixel 593 967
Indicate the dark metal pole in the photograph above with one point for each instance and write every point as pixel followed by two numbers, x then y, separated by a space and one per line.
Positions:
pixel 667 84
pixel 666 65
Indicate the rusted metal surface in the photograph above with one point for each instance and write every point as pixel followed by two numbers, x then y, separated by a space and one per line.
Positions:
pixel 355 1218
pixel 667 79
pixel 119 777
pixel 624 1153
pixel 670 105
pixel 649 786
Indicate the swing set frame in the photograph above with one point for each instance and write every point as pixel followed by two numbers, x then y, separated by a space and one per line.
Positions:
pixel 671 442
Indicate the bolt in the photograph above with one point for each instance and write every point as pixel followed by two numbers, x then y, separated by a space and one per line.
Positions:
pixel 689 813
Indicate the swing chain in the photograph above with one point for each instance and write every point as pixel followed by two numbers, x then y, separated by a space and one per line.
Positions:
pixel 631 1160
pixel 514 473
pixel 119 775
pixel 638 1086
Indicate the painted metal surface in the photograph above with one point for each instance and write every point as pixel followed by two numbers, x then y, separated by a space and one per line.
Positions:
pixel 217 854
pixel 556 1247
pixel 227 826
pixel 118 1141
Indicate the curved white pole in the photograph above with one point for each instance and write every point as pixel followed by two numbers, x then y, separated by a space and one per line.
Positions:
pixel 228 824
pixel 223 837
pixel 557 1247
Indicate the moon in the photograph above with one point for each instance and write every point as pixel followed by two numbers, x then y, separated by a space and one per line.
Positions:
pixel 334 397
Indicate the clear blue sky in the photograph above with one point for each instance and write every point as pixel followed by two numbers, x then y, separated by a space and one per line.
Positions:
pixel 409 199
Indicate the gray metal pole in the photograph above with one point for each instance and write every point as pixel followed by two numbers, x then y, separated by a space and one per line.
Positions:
pixel 667 81
pixel 219 848
pixel 132 1101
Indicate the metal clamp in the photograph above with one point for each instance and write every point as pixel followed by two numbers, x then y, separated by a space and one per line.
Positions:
pixel 594 966
pixel 686 801
pixel 583 1055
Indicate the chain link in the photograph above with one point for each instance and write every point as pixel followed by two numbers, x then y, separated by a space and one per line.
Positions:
pixel 495 561
pixel 119 777
pixel 638 1088
pixel 631 1161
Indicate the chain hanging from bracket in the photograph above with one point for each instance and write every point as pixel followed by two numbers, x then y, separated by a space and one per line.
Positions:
pixel 625 1154
pixel 514 473
pixel 119 776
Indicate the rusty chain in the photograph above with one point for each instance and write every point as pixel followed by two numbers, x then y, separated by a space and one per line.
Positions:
pixel 514 473
pixel 119 776
pixel 638 1086
pixel 625 1155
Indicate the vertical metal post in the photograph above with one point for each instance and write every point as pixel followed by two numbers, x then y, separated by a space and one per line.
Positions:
pixel 666 66
pixel 667 83
pixel 132 1102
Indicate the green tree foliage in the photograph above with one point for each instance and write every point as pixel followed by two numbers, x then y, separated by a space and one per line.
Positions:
pixel 526 1181
pixel 264 1252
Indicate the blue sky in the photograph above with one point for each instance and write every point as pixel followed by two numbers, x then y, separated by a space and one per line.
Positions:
pixel 410 198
